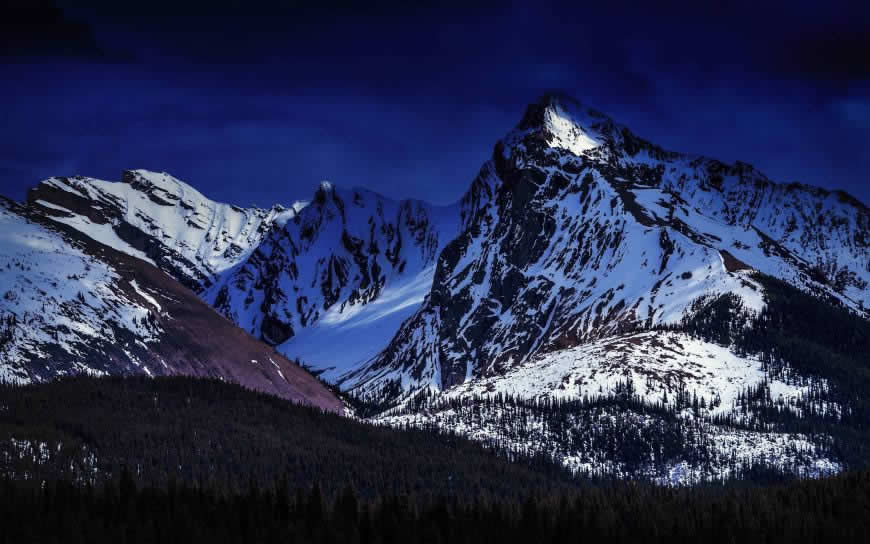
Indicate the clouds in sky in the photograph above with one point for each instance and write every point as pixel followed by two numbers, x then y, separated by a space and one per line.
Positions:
pixel 408 100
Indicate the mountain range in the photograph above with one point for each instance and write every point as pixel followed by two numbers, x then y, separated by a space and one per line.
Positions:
pixel 591 297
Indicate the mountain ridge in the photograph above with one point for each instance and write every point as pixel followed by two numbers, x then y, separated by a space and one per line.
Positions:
pixel 147 214
pixel 571 278
pixel 557 137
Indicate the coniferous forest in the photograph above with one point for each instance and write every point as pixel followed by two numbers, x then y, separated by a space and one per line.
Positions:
pixel 119 510
pixel 211 433
pixel 192 460
pixel 800 338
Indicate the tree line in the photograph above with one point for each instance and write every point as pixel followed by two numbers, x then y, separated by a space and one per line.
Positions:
pixel 121 510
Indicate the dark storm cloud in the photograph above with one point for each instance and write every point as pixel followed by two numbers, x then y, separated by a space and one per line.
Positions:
pixel 37 28
pixel 838 55
pixel 252 100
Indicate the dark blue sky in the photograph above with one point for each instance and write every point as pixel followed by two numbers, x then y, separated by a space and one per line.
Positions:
pixel 409 101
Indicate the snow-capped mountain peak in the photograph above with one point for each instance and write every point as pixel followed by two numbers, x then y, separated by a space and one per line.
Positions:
pixel 577 229
pixel 564 123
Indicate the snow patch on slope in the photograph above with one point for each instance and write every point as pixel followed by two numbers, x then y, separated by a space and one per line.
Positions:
pixel 342 340
pixel 567 130
pixel 658 364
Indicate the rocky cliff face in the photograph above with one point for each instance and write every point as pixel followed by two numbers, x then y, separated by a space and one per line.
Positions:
pixel 576 230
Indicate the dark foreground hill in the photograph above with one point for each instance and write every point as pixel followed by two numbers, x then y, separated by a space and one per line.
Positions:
pixel 221 435
pixel 190 460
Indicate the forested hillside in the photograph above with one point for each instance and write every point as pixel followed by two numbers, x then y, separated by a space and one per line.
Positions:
pixel 801 339
pixel 191 460
pixel 210 432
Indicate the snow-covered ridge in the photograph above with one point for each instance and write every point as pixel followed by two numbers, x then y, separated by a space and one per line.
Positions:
pixel 575 230
pixel 70 305
pixel 359 260
pixel 161 219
